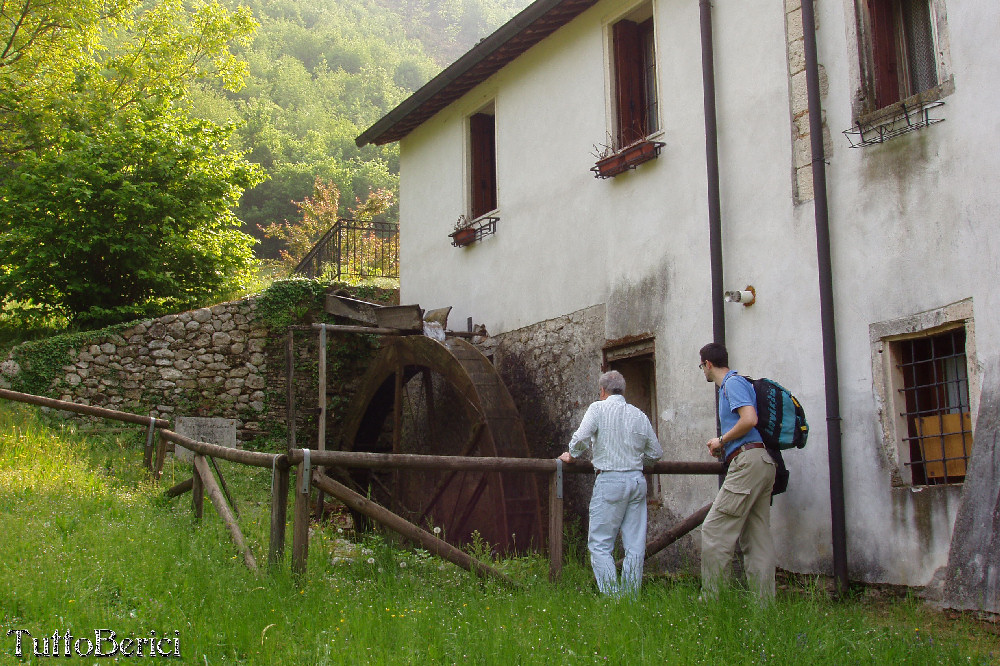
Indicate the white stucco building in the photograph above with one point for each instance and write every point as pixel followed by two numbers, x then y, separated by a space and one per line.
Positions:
pixel 618 271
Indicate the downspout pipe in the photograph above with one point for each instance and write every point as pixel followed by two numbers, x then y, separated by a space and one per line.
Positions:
pixel 712 164
pixel 827 319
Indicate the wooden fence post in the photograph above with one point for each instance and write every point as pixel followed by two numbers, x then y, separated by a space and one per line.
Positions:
pixel 147 455
pixel 556 523
pixel 300 526
pixel 197 490
pixel 161 455
pixel 215 494
pixel 290 387
pixel 279 510
pixel 321 424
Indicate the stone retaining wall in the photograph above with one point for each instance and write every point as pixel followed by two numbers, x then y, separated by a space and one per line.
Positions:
pixel 223 361
pixel 209 361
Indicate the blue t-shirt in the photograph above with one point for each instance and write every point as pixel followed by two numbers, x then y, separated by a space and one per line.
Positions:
pixel 734 393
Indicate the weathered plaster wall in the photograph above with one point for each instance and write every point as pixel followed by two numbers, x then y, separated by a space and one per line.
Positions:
pixel 912 224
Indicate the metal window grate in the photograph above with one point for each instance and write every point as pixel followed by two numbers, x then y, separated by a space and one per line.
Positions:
pixel 903 120
pixel 935 392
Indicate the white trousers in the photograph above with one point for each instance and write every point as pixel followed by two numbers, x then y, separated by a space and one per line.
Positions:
pixel 618 506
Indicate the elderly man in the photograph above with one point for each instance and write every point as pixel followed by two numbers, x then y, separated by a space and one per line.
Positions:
pixel 622 439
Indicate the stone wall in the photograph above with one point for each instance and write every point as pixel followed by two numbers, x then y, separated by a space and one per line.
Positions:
pixel 224 361
pixel 206 362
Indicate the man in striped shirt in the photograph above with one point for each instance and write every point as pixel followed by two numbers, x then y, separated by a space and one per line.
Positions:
pixel 622 440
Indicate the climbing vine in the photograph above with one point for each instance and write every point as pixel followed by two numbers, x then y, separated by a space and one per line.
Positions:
pixel 41 361
pixel 291 301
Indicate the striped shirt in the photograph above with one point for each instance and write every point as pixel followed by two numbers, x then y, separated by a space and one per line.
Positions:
pixel 621 435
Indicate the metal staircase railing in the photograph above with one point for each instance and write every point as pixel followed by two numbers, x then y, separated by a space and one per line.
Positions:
pixel 354 249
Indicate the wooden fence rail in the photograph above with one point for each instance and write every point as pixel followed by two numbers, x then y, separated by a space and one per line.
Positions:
pixel 308 460
pixel 480 464
pixel 89 410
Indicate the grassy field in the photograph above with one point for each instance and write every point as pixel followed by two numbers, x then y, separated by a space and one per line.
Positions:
pixel 91 544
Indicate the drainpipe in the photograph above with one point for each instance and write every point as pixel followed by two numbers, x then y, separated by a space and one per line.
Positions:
pixel 712 160
pixel 830 374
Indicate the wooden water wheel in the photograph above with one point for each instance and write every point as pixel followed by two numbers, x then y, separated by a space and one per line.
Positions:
pixel 444 398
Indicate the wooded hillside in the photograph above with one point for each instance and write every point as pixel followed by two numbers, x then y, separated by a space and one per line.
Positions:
pixel 144 143
pixel 321 72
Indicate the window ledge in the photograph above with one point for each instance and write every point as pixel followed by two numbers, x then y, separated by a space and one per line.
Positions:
pixel 912 113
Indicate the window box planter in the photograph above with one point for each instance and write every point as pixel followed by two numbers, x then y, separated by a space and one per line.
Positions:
pixel 467 233
pixel 627 158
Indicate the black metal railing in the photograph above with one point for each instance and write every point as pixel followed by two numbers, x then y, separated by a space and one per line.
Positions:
pixel 354 249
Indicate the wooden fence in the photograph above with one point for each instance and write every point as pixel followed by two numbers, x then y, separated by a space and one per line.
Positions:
pixel 307 462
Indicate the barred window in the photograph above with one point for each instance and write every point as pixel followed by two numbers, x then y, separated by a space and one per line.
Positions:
pixel 935 399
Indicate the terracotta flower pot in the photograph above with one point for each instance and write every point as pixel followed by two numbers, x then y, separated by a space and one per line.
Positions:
pixel 463 237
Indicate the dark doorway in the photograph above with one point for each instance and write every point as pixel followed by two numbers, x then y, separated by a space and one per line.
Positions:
pixel 637 363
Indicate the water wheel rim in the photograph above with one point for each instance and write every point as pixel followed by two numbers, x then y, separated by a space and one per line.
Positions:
pixel 488 406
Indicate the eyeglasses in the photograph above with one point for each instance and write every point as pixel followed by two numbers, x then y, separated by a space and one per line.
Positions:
pixel 701 366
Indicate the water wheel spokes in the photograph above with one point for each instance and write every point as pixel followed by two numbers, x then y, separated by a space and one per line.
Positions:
pixel 428 397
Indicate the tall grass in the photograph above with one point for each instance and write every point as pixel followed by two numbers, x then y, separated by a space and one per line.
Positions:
pixel 92 544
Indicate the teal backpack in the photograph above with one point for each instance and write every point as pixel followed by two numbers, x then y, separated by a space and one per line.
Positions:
pixel 782 424
pixel 781 421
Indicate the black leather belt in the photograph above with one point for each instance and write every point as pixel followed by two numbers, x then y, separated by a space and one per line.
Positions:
pixel 743 447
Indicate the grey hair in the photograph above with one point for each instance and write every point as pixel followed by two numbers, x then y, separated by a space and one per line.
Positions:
pixel 612 382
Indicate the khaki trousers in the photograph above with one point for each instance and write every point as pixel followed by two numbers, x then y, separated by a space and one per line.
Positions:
pixel 741 513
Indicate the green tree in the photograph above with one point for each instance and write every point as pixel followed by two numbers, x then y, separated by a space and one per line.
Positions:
pixel 111 222
pixel 115 201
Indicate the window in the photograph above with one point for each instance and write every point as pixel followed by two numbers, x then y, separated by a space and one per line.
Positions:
pixel 903 58
pixel 483 162
pixel 634 64
pixel 935 399
pixel 927 383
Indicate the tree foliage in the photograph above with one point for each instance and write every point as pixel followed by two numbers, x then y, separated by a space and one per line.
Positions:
pixel 320 73
pixel 128 216
pixel 114 199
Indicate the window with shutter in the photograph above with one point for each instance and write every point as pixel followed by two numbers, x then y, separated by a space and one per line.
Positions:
pixel 482 128
pixel 903 59
pixel 634 73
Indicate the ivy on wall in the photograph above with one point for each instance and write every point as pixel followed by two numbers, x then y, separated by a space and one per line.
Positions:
pixel 291 301
pixel 42 361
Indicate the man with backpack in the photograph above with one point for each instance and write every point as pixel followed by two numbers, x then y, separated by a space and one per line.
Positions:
pixel 741 511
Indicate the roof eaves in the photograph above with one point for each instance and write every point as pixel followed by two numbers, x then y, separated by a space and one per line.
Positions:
pixel 484 59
